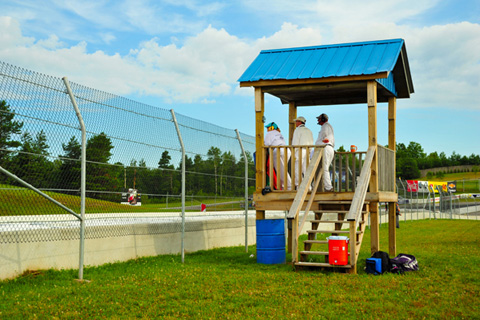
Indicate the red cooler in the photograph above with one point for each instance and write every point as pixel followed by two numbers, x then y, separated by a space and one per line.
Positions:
pixel 338 250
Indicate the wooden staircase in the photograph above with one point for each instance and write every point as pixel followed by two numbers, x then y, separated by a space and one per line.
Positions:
pixel 353 213
pixel 315 249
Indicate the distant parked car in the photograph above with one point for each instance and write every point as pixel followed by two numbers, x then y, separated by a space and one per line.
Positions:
pixel 402 200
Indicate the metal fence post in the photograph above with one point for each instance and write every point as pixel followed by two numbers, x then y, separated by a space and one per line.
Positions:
pixel 246 189
pixel 183 183
pixel 83 175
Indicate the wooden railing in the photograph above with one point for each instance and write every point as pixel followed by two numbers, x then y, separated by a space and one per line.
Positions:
pixel 358 201
pixel 386 169
pixel 345 168
pixel 295 159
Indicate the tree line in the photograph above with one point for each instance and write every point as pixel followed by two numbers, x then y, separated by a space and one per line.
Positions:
pixel 219 173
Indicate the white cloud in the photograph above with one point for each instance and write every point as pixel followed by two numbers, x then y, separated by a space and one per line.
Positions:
pixel 445 65
pixel 11 35
pixel 204 66
pixel 444 60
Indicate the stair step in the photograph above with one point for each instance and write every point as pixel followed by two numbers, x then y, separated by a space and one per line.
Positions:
pixel 335 211
pixel 334 202
pixel 320 264
pixel 338 202
pixel 332 231
pixel 330 211
pixel 321 241
pixel 316 241
pixel 315 253
pixel 329 221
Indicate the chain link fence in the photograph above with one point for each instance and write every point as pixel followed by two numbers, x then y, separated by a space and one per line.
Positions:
pixel 434 203
pixel 133 164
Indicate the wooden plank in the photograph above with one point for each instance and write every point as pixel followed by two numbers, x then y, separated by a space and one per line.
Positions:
pixel 392 120
pixel 292 115
pixel 360 194
pixel 262 83
pixel 340 169
pixel 329 221
pixel 372 142
pixel 333 211
pixel 294 239
pixel 353 238
pixel 259 140
pixel 315 253
pixel 347 171
pixel 392 230
pixel 332 231
pixel 302 190
pixel 374 228
pixel 354 172
pixel 316 241
pixel 323 241
pixel 372 132
pixel 320 264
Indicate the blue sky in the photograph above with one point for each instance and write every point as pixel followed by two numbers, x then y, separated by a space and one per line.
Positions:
pixel 187 55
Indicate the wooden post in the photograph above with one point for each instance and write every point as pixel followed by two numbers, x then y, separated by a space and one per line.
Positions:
pixel 392 218
pixel 372 142
pixel 392 231
pixel 353 246
pixel 292 115
pixel 259 141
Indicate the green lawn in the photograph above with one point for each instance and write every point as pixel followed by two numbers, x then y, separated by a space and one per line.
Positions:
pixel 22 201
pixel 227 283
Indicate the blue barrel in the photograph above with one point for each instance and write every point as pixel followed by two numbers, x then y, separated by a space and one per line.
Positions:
pixel 271 241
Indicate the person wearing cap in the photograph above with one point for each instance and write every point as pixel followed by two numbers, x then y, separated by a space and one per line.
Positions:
pixel 302 136
pixel 327 139
pixel 275 138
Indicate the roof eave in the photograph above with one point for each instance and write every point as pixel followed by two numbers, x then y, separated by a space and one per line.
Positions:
pixel 284 82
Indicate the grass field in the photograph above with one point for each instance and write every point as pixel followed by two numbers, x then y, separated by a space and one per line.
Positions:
pixel 22 201
pixel 227 284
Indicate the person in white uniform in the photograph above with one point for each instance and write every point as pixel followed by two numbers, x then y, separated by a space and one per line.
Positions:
pixel 302 136
pixel 327 139
pixel 273 138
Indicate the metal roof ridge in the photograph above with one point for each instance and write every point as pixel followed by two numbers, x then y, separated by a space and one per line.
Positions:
pixel 338 45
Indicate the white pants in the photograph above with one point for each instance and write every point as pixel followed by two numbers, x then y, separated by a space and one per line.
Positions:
pixel 300 170
pixel 281 169
pixel 327 158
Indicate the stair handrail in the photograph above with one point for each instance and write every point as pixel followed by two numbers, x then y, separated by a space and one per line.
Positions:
pixel 358 201
pixel 300 196
pixel 362 187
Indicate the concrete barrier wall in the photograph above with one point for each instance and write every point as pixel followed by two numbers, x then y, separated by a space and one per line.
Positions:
pixel 221 231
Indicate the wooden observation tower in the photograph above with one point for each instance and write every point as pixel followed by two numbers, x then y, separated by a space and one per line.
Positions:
pixel 353 73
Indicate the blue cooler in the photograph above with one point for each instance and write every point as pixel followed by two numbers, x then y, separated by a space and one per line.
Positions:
pixel 374 266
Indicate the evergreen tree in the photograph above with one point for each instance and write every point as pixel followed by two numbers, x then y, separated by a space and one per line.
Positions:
pixel 69 170
pixel 31 163
pixel 100 175
pixel 8 128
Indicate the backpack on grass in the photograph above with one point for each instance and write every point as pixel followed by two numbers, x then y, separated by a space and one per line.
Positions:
pixel 385 263
pixel 404 262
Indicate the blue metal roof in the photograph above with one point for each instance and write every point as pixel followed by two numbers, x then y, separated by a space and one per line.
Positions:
pixel 339 60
